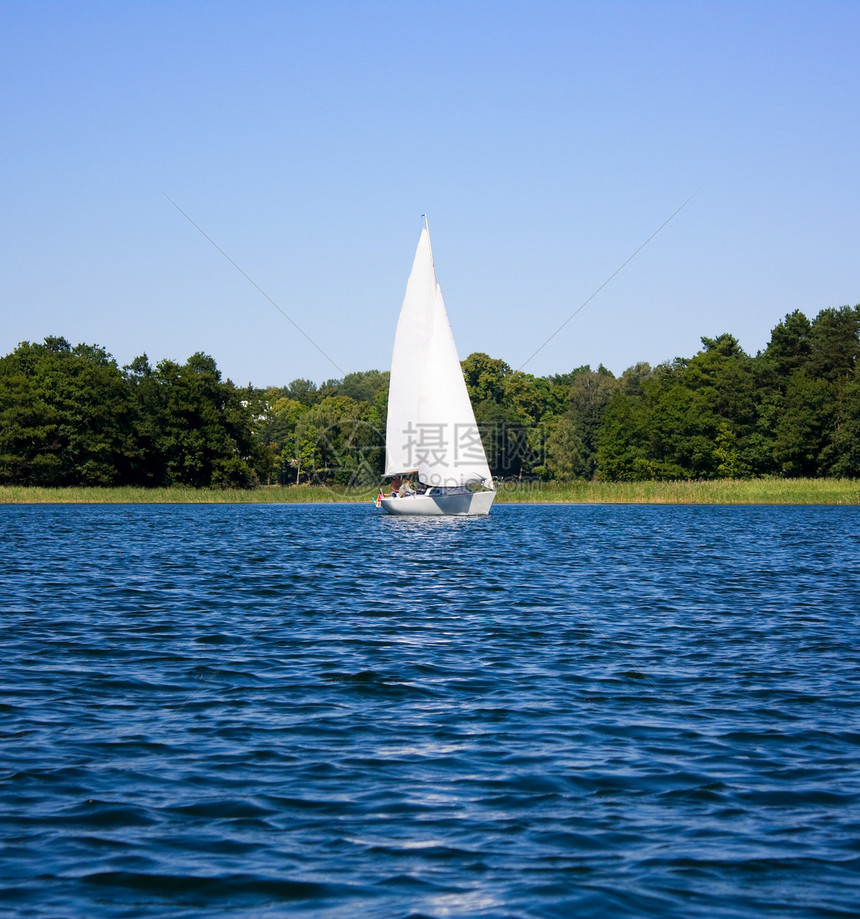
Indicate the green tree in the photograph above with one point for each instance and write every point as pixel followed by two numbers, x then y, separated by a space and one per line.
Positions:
pixel 65 416
pixel 485 378
pixel 589 395
pixel 789 347
pixel 202 430
pixel 690 419
pixel 834 343
pixel 805 423
pixel 275 420
pixel 624 451
pixel 364 386
pixel 722 412
pixel 303 391
pixel 805 376
pixel 339 444
pixel 564 451
pixel 844 453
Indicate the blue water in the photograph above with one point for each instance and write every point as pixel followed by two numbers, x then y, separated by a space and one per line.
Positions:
pixel 554 711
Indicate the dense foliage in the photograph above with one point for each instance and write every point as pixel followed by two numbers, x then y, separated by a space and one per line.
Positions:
pixel 71 416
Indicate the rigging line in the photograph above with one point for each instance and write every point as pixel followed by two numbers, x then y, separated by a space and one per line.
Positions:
pixel 614 273
pixel 251 281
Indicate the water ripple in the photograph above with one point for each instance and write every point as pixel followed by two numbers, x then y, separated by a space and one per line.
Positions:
pixel 552 711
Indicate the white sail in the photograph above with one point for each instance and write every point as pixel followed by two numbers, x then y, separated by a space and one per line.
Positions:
pixel 431 426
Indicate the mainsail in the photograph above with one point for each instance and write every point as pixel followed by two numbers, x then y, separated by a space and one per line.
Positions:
pixel 431 426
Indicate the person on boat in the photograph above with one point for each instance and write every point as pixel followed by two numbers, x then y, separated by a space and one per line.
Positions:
pixel 405 489
pixel 395 487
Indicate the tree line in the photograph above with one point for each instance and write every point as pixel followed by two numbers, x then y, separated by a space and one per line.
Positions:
pixel 69 415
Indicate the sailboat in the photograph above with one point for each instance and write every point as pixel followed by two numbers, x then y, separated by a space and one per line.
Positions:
pixel 431 430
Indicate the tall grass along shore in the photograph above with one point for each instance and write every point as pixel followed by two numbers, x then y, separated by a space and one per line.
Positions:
pixel 719 491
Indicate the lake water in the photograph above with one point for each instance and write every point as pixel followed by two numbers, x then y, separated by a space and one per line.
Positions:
pixel 554 711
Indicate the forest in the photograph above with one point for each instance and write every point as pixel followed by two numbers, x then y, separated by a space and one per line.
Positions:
pixel 69 415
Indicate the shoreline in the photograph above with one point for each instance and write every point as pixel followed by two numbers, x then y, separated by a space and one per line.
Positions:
pixel 711 492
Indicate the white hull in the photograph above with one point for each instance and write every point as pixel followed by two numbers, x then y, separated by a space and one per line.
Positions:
pixel 473 504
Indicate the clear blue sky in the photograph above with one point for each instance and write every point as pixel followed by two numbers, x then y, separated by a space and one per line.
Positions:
pixel 545 140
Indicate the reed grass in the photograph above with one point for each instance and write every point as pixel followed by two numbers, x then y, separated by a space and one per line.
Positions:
pixel 715 491
pixel 720 491
pixel 294 494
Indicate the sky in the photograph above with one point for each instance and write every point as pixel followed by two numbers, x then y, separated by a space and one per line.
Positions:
pixel 182 177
